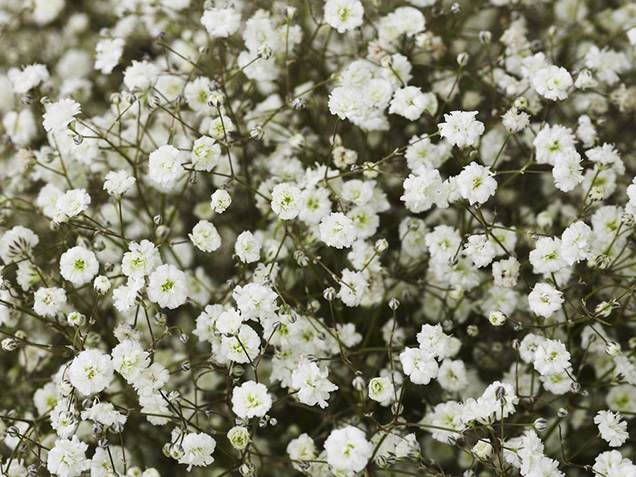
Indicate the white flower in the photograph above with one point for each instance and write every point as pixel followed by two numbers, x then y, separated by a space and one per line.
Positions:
pixel 381 389
pixel 221 127
pixel 71 204
pixel 108 54
pixel 612 464
pixel 419 365
pixel 239 437
pixel 452 375
pixel 585 80
pixel 229 322
pixel 168 287
pixel 242 348
pixel 410 102
pixel 551 141
pixel 59 115
pixel 78 265
pixel 22 81
pixel 607 64
pixel 251 399
pixel 104 413
pixel 286 201
pixel 480 250
pixel 90 372
pixel 575 243
pixel 357 192
pixel 461 128
pixel 316 205
pixel 348 449
pixel 141 76
pixel 343 15
pixel 551 357
pixel 552 82
pixel 220 201
pixel 221 22
pixel 353 287
pixel 205 237
pixel 164 166
pixel 248 247
pixel 255 301
pixel 117 183
pixel 545 300
pixel 434 341
pixel 612 428
pixel 423 189
pixel 483 450
pixel 142 259
pixel 20 126
pixel 107 462
pixel 476 183
pixel 345 102
pixel 156 407
pixel 68 458
pixel 515 120
pixel 567 170
pixel 197 450
pixel 205 154
pixel 45 11
pixel 546 257
pixel 312 384
pixel 407 21
pixel 130 359
pixel 337 230
pixel 49 301
pixel 301 448
pixel 151 379
pixel 16 243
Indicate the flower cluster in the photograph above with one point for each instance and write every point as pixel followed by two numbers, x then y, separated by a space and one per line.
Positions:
pixel 331 238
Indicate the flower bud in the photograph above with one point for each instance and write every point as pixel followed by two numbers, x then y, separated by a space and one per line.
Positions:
pixel 216 99
pixel 541 424
pixel 247 470
pixel 257 133
pixel 381 246
pixel 299 104
pixel 497 318
pixel 544 220
pixel 75 319
pixel 485 37
pixel 301 259
pixel 239 437
pixel 175 451
pixel 161 319
pixel 65 388
pixel 264 52
pixel 612 348
pixel 358 383
pixel 329 294
pixel 9 344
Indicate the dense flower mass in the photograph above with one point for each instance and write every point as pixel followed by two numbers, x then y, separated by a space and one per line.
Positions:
pixel 331 238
